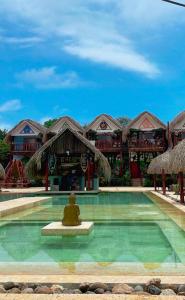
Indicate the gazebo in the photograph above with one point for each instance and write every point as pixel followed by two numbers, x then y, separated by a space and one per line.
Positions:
pixel 160 165
pixel 2 174
pixel 69 162
pixel 177 165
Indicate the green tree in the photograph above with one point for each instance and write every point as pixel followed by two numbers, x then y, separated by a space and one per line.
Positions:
pixel 4 152
pixel 123 120
pixel 3 133
pixel 49 122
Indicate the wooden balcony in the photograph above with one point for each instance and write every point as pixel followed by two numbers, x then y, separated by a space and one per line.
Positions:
pixel 109 146
pixel 146 145
pixel 178 140
pixel 25 148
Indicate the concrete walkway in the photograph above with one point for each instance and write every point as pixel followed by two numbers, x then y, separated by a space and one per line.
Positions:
pixel 22 190
pixel 85 297
pixel 126 189
pixel 16 205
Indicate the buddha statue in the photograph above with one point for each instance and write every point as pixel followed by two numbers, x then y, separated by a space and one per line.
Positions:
pixel 71 213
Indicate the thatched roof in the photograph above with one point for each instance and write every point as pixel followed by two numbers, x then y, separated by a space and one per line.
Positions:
pixel 35 124
pixel 2 172
pixel 66 139
pixel 68 120
pixel 111 119
pixel 177 158
pixel 131 124
pixel 178 119
pixel 160 164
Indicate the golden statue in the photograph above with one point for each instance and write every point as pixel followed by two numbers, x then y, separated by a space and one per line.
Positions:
pixel 71 213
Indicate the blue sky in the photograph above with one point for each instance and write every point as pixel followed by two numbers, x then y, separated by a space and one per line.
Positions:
pixel 82 58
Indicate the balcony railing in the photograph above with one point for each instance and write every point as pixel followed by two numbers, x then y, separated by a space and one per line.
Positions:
pixel 108 145
pixel 146 144
pixel 28 147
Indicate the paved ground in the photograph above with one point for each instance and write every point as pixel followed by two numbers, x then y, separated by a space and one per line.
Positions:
pixel 85 297
pixel 23 190
pixel 103 189
pixel 126 189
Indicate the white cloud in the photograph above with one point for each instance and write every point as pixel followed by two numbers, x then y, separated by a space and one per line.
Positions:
pixel 10 105
pixel 48 78
pixel 20 41
pixel 106 32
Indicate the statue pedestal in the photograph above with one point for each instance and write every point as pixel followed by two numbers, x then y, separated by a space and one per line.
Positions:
pixel 56 228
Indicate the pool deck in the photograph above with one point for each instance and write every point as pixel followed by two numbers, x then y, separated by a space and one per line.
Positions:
pixel 55 279
pixel 16 205
pixel 101 189
pixel 170 198
pixel 85 297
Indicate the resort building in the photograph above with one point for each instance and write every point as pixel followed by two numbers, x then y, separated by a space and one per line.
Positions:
pixel 25 139
pixel 105 133
pixel 146 138
pixel 177 128
pixel 62 123
pixel 128 149
pixel 69 162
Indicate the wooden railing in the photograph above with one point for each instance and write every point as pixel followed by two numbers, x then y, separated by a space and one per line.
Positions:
pixel 146 144
pixel 28 147
pixel 108 145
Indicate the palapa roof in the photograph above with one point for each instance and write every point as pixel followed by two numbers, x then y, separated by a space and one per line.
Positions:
pixel 2 172
pixel 110 118
pixel 69 121
pixel 35 124
pixel 160 164
pixel 178 119
pixel 59 141
pixel 131 124
pixel 177 158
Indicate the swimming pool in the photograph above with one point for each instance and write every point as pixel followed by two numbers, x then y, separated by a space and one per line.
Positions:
pixel 134 233
pixel 9 196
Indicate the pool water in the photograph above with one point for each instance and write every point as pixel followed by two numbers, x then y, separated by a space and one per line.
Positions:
pixel 133 233
pixel 8 196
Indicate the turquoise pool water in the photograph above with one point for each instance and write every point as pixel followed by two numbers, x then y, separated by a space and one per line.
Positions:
pixel 5 197
pixel 133 233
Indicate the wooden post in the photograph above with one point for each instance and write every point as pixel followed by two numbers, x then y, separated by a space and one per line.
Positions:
pixel 88 177
pixel 181 182
pixel 121 164
pixel 163 182
pixel 155 182
pixel 46 177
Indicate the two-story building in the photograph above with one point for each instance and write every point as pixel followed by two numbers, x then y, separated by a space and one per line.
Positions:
pixel 25 139
pixel 177 128
pixel 106 134
pixel 146 138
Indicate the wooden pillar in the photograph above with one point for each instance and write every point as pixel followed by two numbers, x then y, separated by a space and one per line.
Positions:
pixel 121 164
pixel 163 182
pixel 46 176
pixel 181 182
pixel 88 177
pixel 155 182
